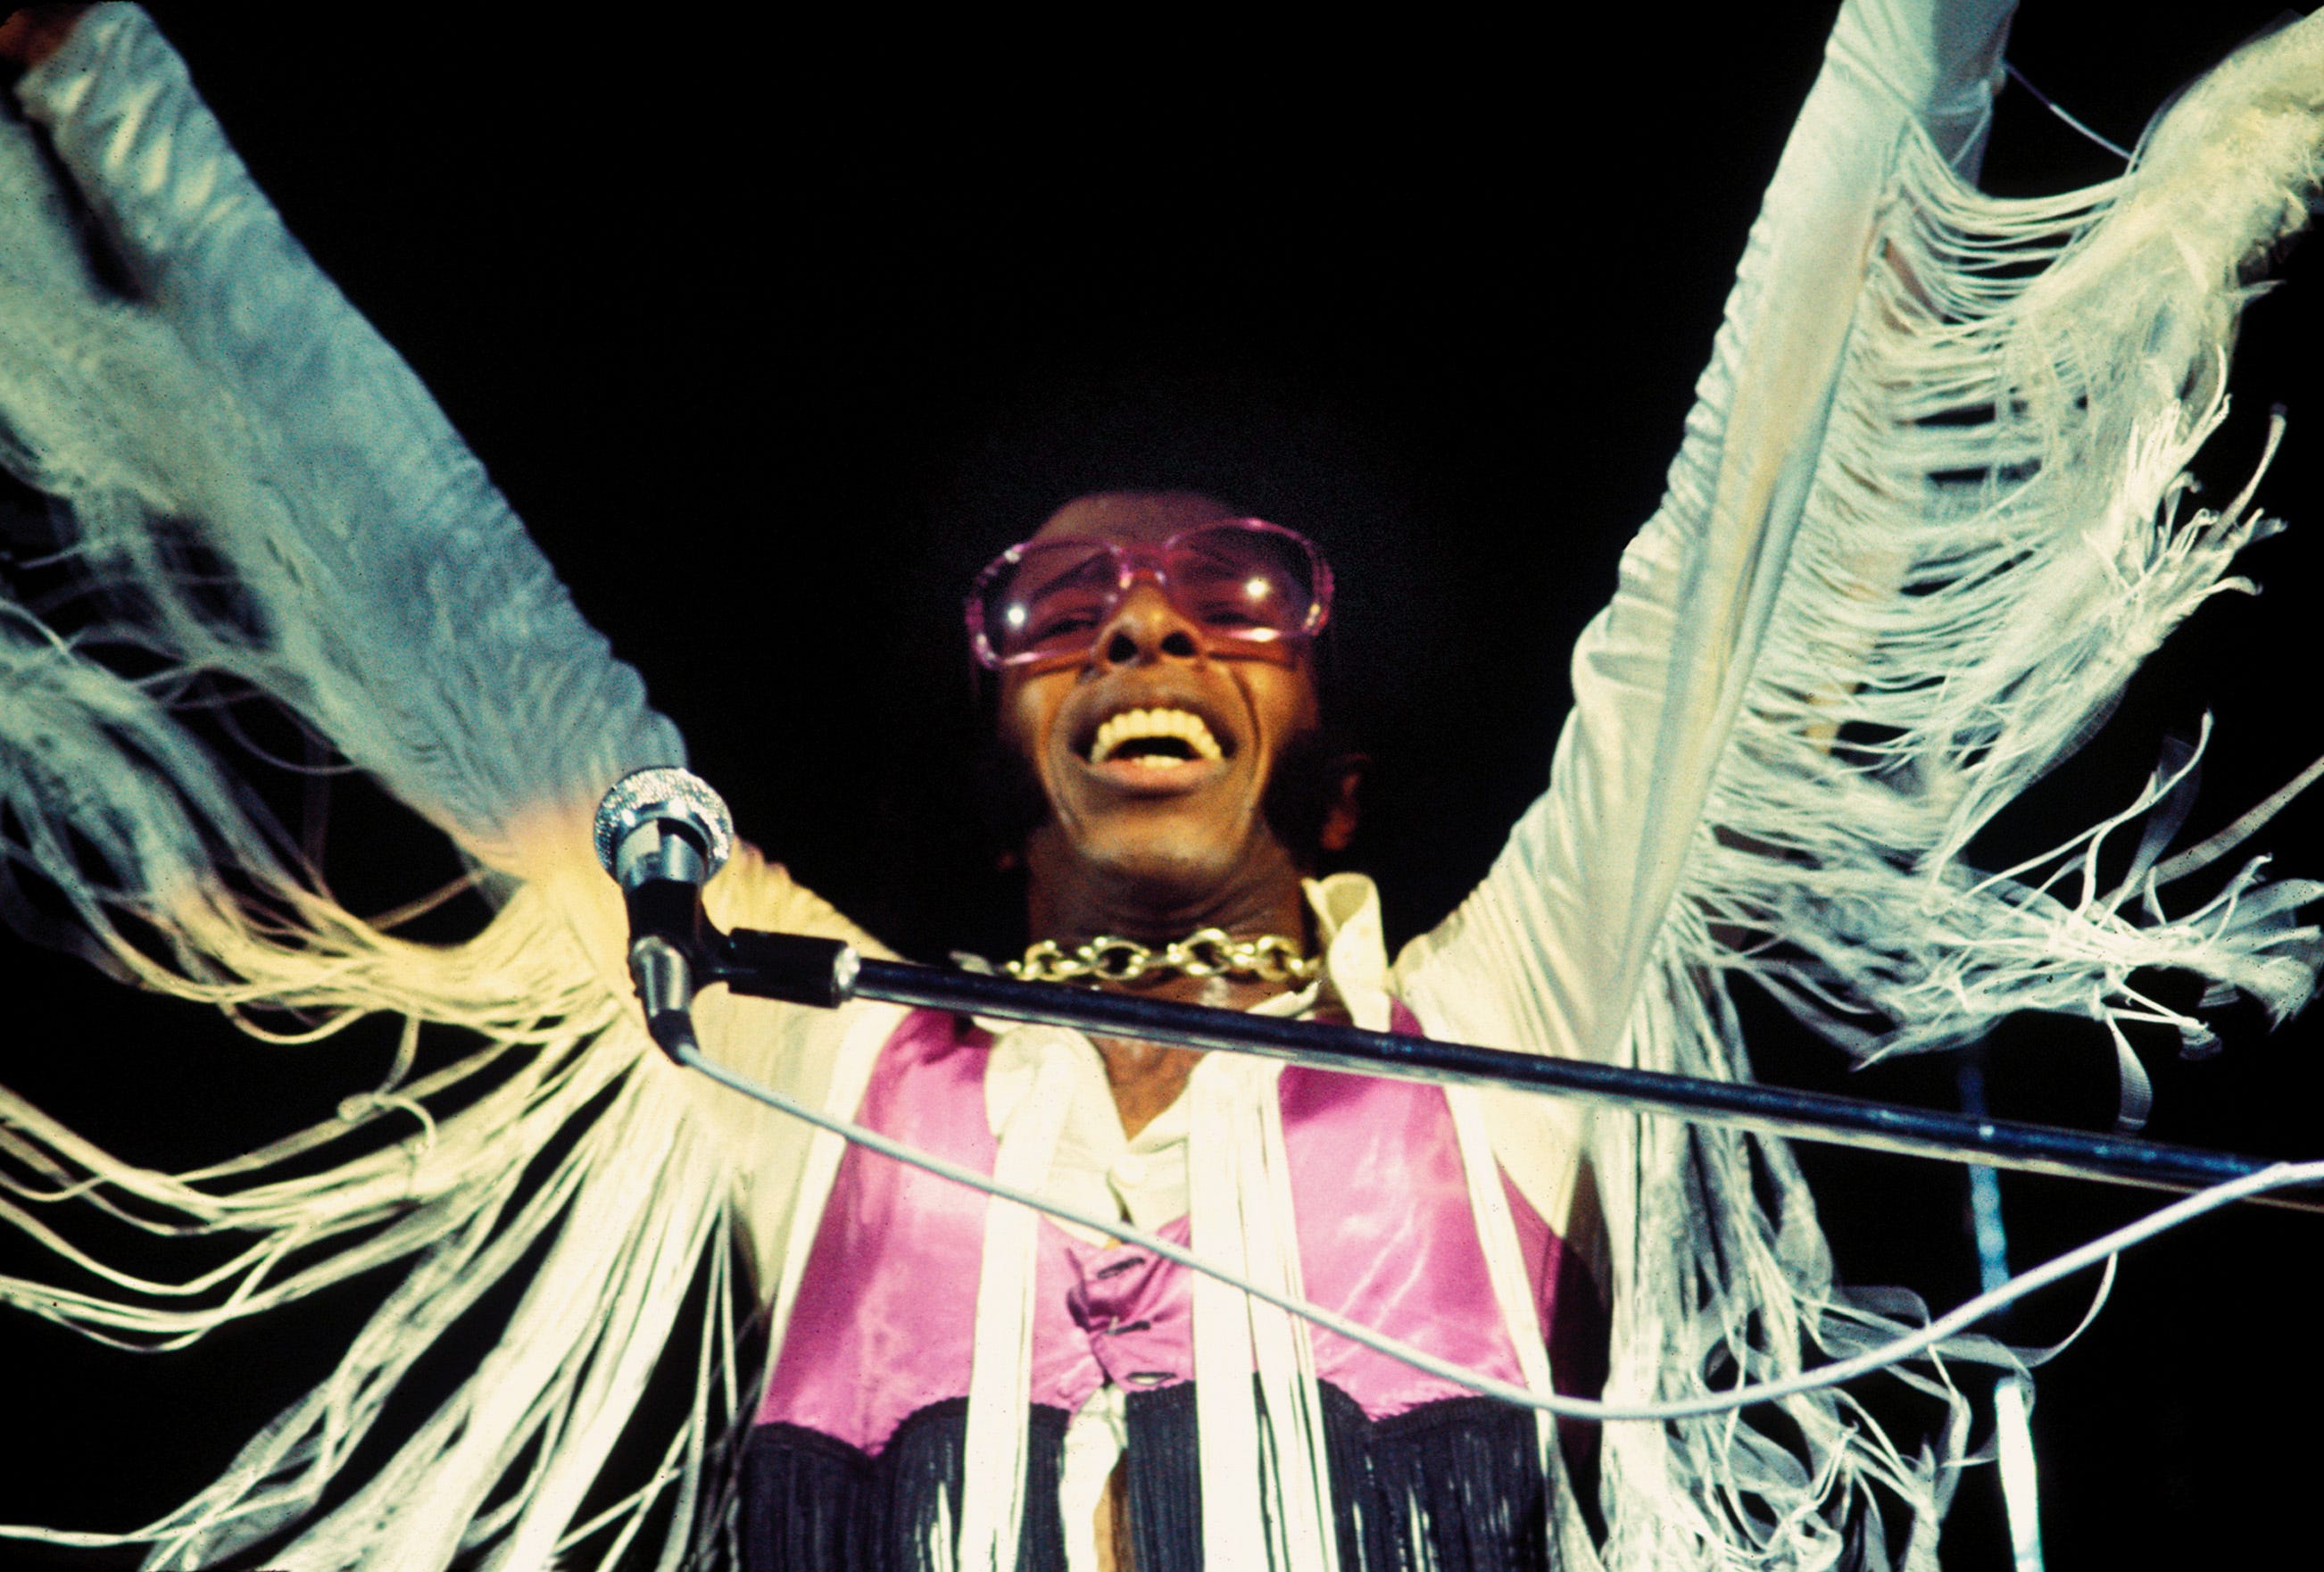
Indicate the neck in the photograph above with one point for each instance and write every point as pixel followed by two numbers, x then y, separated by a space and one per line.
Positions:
pixel 1071 901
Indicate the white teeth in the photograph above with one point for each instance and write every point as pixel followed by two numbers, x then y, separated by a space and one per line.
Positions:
pixel 1133 725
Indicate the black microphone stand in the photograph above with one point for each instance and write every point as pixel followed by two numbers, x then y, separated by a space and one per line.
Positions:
pixel 827 973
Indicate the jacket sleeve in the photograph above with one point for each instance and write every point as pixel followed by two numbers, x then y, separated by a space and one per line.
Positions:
pixel 236 409
pixel 1924 523
pixel 1550 952
pixel 260 491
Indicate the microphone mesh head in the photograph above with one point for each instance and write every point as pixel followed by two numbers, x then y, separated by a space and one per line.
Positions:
pixel 643 796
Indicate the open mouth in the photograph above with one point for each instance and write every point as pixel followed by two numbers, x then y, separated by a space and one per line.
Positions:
pixel 1159 739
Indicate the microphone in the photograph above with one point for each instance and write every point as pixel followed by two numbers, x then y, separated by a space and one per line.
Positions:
pixel 661 832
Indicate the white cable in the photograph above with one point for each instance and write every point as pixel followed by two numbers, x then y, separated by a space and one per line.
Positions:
pixel 1571 1408
pixel 2052 106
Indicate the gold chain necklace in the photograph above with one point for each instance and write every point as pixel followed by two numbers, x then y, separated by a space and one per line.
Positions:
pixel 1210 952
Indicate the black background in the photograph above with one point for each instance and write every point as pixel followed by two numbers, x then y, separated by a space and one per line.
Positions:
pixel 774 339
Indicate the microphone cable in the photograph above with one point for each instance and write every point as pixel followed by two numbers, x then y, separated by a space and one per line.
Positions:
pixel 2103 1249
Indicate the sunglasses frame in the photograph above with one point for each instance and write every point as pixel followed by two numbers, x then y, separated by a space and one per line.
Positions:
pixel 1128 562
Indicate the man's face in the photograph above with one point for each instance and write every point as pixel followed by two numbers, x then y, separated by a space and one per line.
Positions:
pixel 1155 750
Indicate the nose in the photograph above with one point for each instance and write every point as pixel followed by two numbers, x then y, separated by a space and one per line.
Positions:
pixel 1145 628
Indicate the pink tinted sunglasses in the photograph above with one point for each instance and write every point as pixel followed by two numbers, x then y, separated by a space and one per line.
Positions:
pixel 1250 585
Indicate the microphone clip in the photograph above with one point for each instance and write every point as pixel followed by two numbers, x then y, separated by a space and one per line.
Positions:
pixel 661 833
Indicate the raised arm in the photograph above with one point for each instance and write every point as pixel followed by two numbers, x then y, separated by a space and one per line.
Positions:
pixel 389 594
pixel 1926 504
pixel 264 490
pixel 1922 527
pixel 1581 893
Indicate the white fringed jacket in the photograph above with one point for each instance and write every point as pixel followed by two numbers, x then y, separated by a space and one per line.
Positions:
pixel 1928 504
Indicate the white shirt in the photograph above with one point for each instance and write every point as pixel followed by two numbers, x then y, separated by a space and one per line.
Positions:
pixel 1142 1178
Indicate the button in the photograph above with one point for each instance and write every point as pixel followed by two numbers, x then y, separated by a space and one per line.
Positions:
pixel 1129 1170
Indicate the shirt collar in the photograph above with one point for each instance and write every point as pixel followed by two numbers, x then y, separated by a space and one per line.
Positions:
pixel 1355 948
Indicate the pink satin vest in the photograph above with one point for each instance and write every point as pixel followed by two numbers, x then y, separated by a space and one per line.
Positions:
pixel 885 1320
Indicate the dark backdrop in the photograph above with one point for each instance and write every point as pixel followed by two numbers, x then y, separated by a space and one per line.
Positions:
pixel 772 340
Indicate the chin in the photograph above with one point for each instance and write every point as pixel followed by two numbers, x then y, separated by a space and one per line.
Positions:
pixel 1151 873
pixel 1165 869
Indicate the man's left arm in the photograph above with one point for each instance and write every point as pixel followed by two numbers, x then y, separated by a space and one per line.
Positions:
pixel 1553 950
pixel 1927 505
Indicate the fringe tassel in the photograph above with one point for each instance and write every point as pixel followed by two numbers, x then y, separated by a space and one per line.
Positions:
pixel 1001 1372
pixel 1164 1474
pixel 1451 1486
pixel 1929 517
pixel 811 1503
pixel 1266 1494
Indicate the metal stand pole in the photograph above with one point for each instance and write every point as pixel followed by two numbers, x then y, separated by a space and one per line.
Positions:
pixel 825 972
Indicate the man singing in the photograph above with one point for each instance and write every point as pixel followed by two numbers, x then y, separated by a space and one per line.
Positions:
pixel 1924 524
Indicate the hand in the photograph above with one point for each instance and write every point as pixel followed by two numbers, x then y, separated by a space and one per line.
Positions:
pixel 31 33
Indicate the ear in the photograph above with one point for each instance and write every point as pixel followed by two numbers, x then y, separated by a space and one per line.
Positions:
pixel 1341 811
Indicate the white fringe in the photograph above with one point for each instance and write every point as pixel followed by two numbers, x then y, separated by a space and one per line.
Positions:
pixel 995 1443
pixel 1989 538
pixel 1898 574
pixel 1265 1485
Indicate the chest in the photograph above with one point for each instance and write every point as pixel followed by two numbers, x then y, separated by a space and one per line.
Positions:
pixel 1385 1231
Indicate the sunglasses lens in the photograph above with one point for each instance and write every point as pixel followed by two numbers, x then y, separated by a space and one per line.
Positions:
pixel 1243 583
pixel 1052 600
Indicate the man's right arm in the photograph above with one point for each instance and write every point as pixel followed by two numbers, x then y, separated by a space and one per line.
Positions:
pixel 401 607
